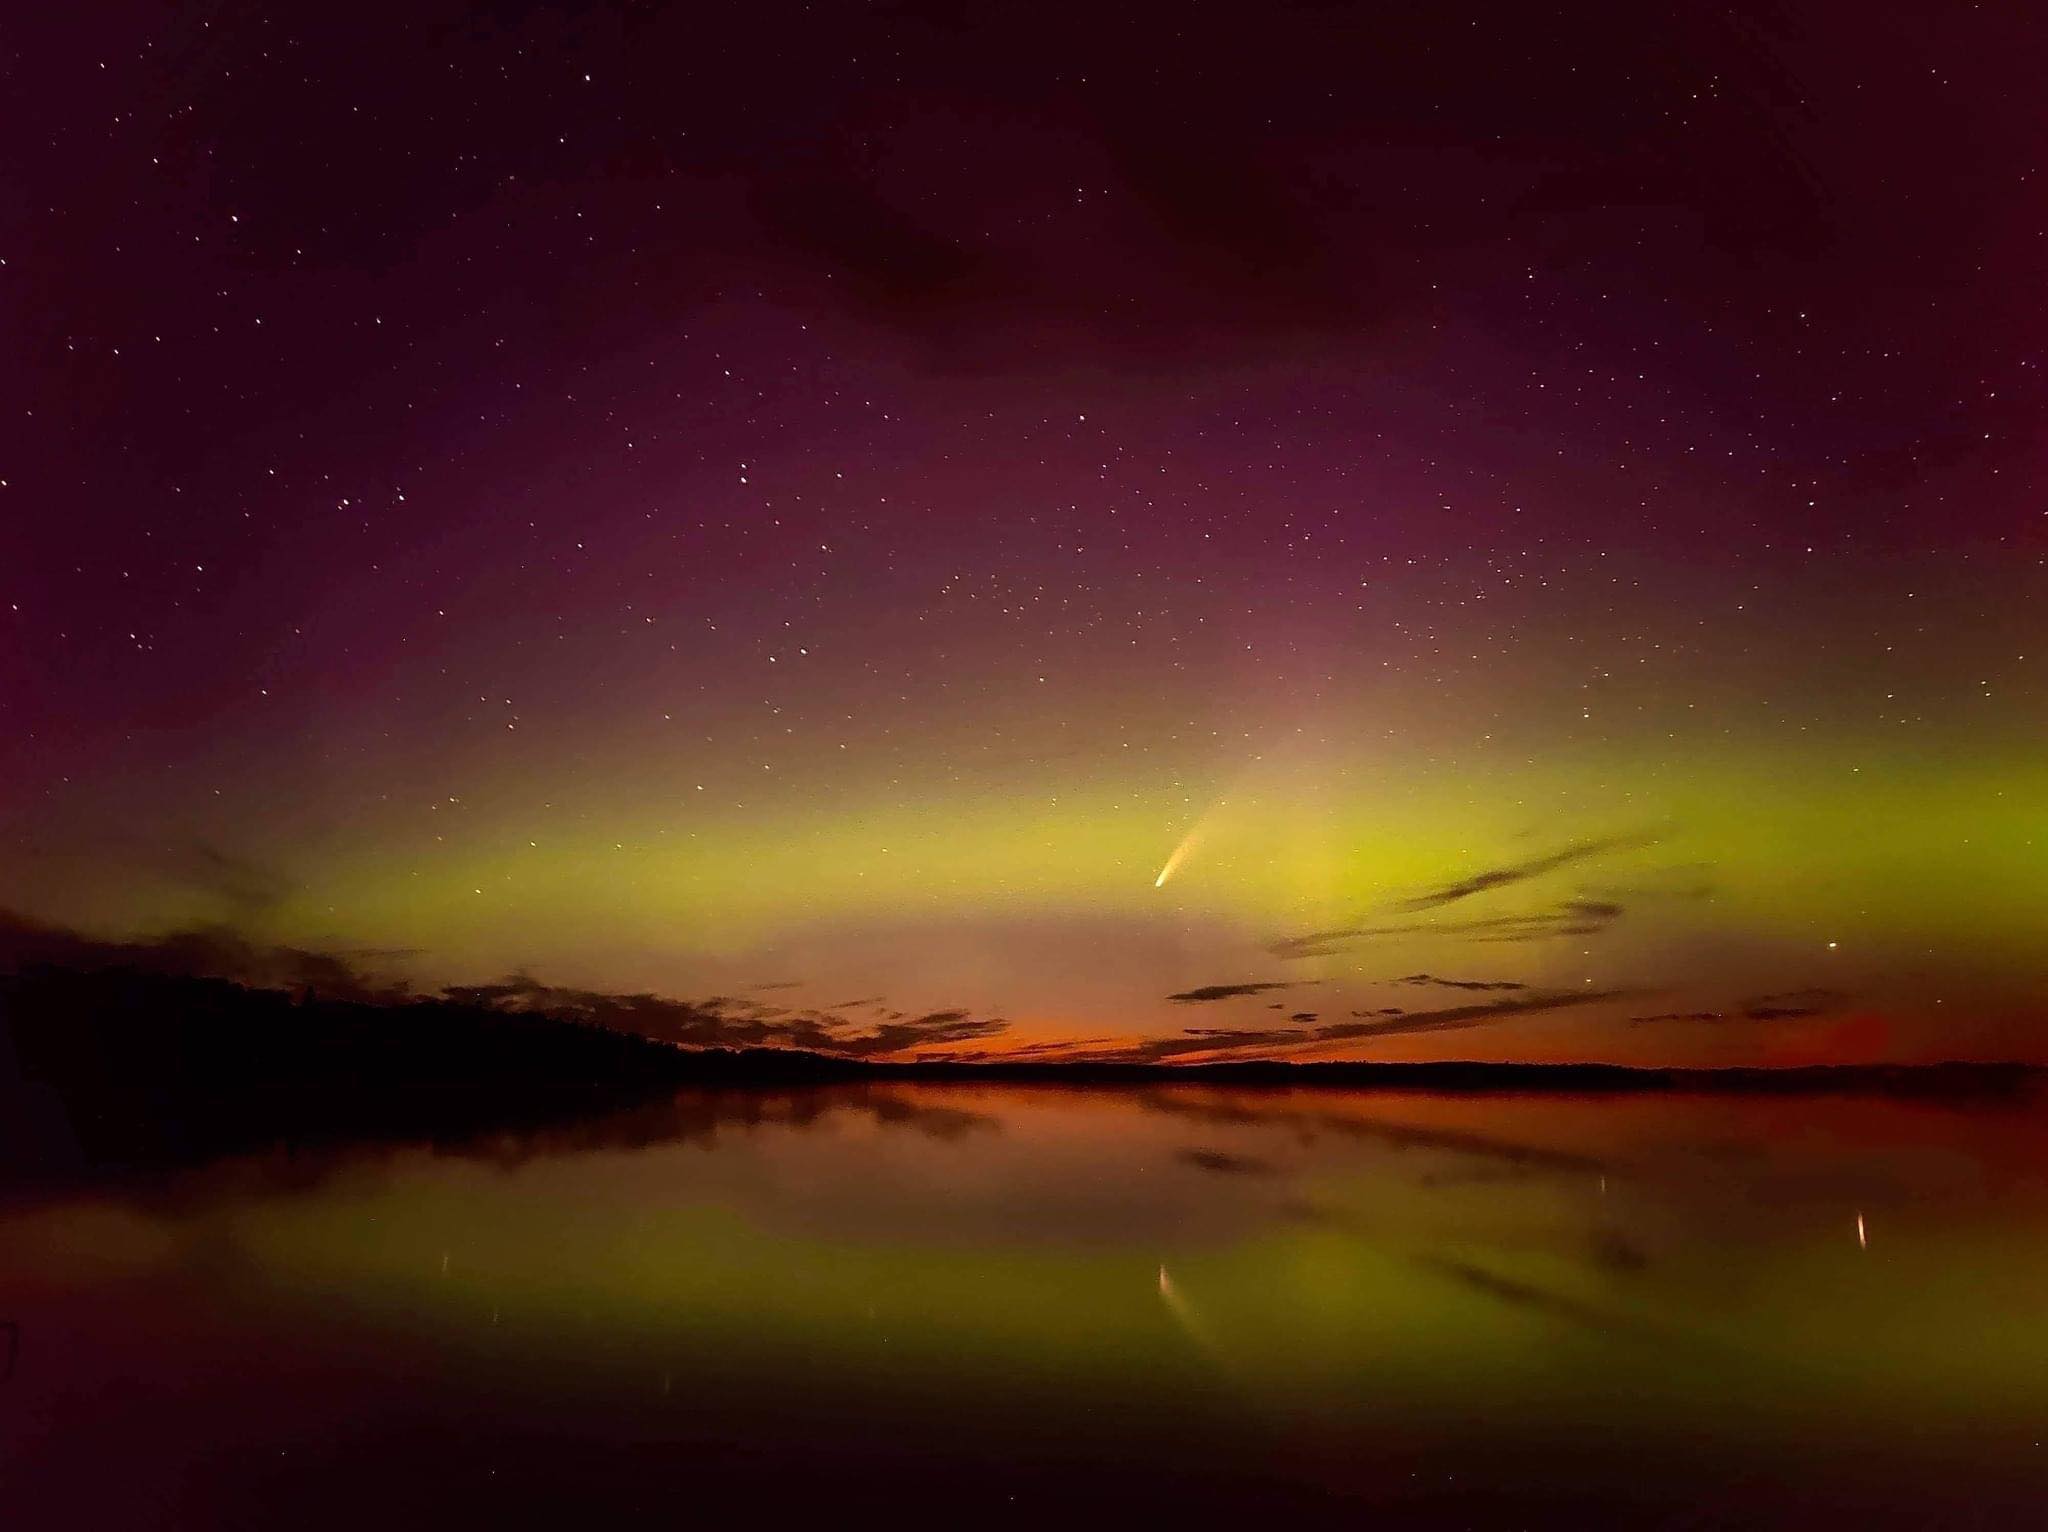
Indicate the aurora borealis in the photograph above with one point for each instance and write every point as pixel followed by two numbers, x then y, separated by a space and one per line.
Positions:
pixel 1537 526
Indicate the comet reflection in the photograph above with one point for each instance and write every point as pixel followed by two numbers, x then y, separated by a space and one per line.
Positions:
pixel 1177 1306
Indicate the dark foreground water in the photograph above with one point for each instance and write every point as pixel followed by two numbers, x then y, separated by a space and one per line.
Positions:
pixel 956 1305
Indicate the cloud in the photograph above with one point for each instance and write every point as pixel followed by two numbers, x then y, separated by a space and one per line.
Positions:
pixel 1578 916
pixel 933 1027
pixel 242 887
pixel 1473 984
pixel 1207 992
pixel 1323 943
pixel 1600 910
pixel 202 952
pixel 1789 1004
pixel 1049 1052
pixel 1520 872
pixel 1227 1164
pixel 1685 882
pixel 1785 1005
pixel 1458 1017
pixel 724 1021
pixel 247 886
pixel 1303 1016
pixel 1279 1044
pixel 1572 917
pixel 1157 1050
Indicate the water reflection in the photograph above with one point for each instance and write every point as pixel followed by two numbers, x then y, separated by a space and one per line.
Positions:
pixel 1457 1310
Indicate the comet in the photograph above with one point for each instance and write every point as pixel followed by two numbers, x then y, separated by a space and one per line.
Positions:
pixel 1180 854
pixel 1186 848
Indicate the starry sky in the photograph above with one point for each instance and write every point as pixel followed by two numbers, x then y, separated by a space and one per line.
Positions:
pixel 1210 531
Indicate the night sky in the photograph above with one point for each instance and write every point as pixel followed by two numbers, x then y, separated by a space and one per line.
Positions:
pixel 1197 531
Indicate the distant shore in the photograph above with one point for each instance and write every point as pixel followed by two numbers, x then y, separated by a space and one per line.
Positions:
pixel 129 1034
pixel 1949 1077
pixel 110 1067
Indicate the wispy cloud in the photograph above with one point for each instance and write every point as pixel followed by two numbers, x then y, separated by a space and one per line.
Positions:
pixel 734 1021
pixel 1191 1041
pixel 1221 1163
pixel 1572 917
pixel 1581 915
pixel 1458 1017
pixel 1468 984
pixel 209 952
pixel 1787 1004
pixel 1204 993
pixel 1784 1005
pixel 1520 872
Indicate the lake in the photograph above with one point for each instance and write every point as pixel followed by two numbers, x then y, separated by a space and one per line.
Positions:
pixel 963 1303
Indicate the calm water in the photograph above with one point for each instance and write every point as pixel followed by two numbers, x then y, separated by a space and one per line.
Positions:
pixel 954 1303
